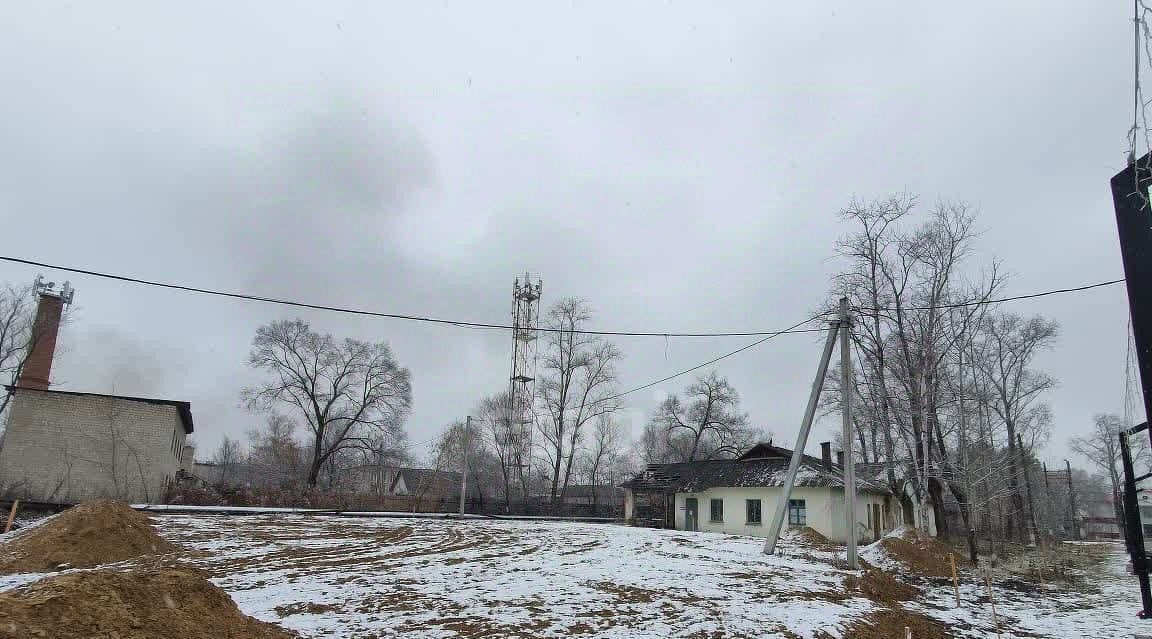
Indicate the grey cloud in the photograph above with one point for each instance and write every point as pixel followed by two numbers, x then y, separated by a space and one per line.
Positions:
pixel 680 168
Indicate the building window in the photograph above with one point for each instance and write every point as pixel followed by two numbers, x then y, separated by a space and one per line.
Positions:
pixel 717 511
pixel 752 507
pixel 797 513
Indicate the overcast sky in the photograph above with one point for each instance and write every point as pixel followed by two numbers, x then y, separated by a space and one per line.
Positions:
pixel 678 166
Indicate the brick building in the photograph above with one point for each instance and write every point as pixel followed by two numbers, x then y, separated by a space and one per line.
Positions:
pixel 65 447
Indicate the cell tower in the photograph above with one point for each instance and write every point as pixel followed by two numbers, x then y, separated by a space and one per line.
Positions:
pixel 525 329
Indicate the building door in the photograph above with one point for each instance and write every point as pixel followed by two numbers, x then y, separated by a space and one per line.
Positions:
pixel 691 513
pixel 878 530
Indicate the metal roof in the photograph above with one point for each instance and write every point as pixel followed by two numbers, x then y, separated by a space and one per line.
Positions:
pixel 764 465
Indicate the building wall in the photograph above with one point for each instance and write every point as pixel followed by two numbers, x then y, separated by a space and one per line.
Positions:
pixel 824 511
pixel 208 471
pixel 68 448
pixel 400 488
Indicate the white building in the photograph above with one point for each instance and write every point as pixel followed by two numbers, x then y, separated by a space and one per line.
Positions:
pixel 739 495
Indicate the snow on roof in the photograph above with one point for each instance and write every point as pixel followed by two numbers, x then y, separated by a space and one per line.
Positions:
pixel 762 465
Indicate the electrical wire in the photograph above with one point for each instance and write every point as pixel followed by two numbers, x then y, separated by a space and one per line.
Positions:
pixel 789 330
pixel 1014 298
pixel 396 316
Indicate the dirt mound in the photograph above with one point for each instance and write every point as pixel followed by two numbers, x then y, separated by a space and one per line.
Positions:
pixel 890 624
pixel 154 603
pixel 878 585
pixel 809 536
pixel 91 534
pixel 924 555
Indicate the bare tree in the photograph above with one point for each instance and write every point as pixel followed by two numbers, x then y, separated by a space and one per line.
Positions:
pixel 491 414
pixel 867 250
pixel 383 451
pixel 914 306
pixel 578 379
pixel 227 456
pixel 274 453
pixel 601 455
pixel 447 454
pixel 706 423
pixel 1009 344
pixel 343 390
pixel 17 316
pixel 1102 448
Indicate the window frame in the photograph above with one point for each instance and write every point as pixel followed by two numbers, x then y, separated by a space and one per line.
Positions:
pixel 712 511
pixel 800 512
pixel 748 512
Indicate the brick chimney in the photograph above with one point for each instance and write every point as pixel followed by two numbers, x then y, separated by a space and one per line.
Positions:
pixel 826 455
pixel 37 370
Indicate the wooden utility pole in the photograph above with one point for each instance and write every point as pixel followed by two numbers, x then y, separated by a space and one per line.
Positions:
pixel 955 578
pixel 963 440
pixel 1071 502
pixel 1028 488
pixel 12 515
pixel 849 469
pixel 464 464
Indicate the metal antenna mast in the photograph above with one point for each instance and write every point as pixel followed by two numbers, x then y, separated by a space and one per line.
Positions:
pixel 525 324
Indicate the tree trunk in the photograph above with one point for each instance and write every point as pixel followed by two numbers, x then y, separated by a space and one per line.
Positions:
pixel 1017 512
pixel 936 491
pixel 317 458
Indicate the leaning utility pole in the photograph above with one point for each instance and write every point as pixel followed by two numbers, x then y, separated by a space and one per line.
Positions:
pixel 777 520
pixel 841 326
pixel 464 464
pixel 849 469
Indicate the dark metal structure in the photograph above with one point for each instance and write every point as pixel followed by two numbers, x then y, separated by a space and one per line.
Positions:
pixel 1134 225
pixel 1130 197
pixel 1133 527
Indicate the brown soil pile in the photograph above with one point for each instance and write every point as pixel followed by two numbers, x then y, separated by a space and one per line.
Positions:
pixel 154 603
pixel 811 537
pixel 924 555
pixel 878 585
pixel 890 624
pixel 91 534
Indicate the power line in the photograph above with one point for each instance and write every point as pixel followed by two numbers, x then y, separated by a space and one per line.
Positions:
pixel 758 342
pixel 787 331
pixel 995 301
pixel 396 316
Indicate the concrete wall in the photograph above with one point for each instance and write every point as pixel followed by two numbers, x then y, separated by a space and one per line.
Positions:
pixel 67 448
pixel 824 511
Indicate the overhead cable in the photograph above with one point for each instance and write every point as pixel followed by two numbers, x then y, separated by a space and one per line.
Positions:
pixel 396 316
pixel 993 301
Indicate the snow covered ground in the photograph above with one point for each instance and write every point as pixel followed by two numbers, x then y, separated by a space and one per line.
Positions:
pixel 341 577
pixel 329 576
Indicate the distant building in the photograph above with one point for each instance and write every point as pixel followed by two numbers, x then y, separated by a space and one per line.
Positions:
pixel 587 495
pixel 66 447
pixel 428 483
pixel 367 479
pixel 1098 518
pixel 740 495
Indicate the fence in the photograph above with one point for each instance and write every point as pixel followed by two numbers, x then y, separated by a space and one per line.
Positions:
pixel 303 498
